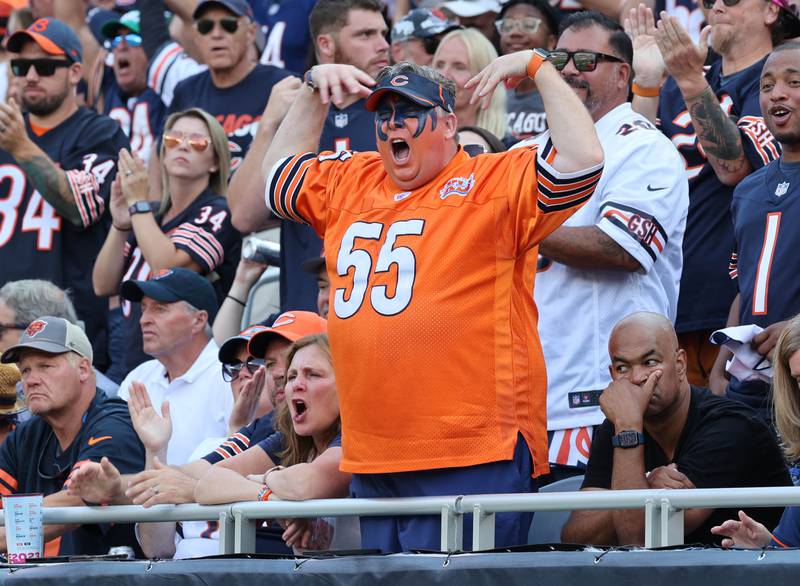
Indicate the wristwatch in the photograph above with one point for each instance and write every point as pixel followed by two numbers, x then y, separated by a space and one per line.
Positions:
pixel 539 56
pixel 141 207
pixel 628 439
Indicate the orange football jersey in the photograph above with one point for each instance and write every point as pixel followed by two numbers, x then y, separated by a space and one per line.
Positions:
pixel 432 320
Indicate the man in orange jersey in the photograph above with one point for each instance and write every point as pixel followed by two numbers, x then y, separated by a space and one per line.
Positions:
pixel 426 248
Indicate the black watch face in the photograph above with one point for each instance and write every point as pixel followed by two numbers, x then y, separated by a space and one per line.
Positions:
pixel 628 439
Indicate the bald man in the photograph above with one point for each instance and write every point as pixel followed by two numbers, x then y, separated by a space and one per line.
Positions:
pixel 660 432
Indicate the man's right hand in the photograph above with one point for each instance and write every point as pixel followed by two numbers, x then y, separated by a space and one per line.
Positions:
pixel 648 63
pixel 154 430
pixel 96 483
pixel 280 99
pixel 336 82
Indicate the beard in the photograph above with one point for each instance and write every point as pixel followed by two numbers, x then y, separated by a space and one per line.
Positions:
pixel 47 104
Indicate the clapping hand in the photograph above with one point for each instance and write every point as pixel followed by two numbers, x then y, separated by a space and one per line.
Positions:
pixel 154 430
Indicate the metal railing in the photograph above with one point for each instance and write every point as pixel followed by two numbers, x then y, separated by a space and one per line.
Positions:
pixel 663 511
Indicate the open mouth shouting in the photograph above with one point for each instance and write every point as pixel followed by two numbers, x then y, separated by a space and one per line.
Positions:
pixel 780 115
pixel 401 151
pixel 299 410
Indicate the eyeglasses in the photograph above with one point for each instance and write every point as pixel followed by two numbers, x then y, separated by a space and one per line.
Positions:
pixel 230 372
pixel 529 25
pixel 173 139
pixel 133 40
pixel 5 327
pixel 44 67
pixel 206 25
pixel 583 60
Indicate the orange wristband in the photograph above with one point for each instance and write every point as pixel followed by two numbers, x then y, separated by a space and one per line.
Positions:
pixel 645 92
pixel 535 62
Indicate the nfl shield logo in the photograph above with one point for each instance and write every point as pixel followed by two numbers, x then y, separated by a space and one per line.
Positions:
pixel 782 188
pixel 340 120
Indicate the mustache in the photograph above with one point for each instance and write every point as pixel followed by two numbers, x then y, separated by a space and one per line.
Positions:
pixel 575 83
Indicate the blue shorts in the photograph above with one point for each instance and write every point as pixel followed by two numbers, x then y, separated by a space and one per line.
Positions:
pixel 396 534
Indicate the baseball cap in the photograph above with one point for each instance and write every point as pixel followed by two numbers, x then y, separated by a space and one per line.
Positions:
pixel 422 23
pixel 176 284
pixel 470 8
pixel 238 7
pixel 10 402
pixel 791 20
pixel 129 20
pixel 227 352
pixel 414 87
pixel 50 334
pixel 52 35
pixel 314 264
pixel 291 326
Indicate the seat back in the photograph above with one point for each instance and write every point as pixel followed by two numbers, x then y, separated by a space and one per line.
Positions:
pixel 546 525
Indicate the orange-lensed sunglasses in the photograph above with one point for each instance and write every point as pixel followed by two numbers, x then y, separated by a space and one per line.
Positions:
pixel 196 141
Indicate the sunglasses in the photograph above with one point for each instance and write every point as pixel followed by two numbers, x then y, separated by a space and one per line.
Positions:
pixel 230 372
pixel 528 25
pixel 6 327
pixel 133 40
pixel 174 139
pixel 709 4
pixel 44 67
pixel 206 25
pixel 583 60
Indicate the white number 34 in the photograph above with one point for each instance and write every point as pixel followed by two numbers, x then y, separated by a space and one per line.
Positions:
pixel 352 257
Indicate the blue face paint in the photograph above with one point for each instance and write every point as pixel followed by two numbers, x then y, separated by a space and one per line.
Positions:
pixel 401 110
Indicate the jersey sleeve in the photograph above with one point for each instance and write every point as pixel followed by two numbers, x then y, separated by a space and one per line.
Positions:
pixel 759 145
pixel 645 197
pixel 8 466
pixel 541 198
pixel 787 533
pixel 298 186
pixel 207 236
pixel 169 66
pixel 272 446
pixel 233 445
pixel 91 167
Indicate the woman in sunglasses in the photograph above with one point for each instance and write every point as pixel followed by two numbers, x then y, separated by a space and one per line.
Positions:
pixel 190 227
pixel 301 460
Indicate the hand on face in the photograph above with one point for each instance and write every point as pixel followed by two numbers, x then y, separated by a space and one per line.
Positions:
pixel 624 403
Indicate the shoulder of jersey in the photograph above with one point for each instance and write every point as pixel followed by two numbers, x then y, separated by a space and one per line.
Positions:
pixel 191 81
pixel 755 178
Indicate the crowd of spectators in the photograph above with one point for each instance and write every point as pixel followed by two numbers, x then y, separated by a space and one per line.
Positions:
pixel 626 173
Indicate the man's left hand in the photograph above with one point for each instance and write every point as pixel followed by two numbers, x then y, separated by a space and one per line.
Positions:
pixel 12 128
pixel 764 342
pixel 624 403
pixel 668 477
pixel 162 484
pixel 683 58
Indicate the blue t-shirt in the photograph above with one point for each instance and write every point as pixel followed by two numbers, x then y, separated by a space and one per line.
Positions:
pixel 273 445
pixel 764 209
pixel 787 533
pixel 706 290
pixel 285 23
pixel 238 107
pixel 351 128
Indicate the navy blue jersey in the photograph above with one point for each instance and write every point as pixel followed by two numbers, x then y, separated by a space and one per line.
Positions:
pixel 36 243
pixel 274 445
pixel 238 108
pixel 285 24
pixel 688 13
pixel 764 208
pixel 141 117
pixel 31 460
pixel 787 533
pixel 352 128
pixel 204 231
pixel 249 435
pixel 706 291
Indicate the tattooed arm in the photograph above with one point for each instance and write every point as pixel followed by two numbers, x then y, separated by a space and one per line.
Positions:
pixel 587 247
pixel 719 136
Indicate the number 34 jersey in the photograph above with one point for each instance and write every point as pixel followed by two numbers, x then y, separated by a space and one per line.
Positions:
pixel 432 322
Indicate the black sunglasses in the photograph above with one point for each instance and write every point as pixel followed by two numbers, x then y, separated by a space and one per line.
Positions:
pixel 5 327
pixel 206 25
pixel 230 372
pixel 709 4
pixel 583 60
pixel 44 67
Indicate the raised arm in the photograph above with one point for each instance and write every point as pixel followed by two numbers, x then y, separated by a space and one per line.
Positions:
pixel 647 60
pixel 571 127
pixel 73 13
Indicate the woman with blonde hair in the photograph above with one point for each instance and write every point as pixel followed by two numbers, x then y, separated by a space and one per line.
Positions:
pixel 460 56
pixel 298 462
pixel 189 227
pixel 747 532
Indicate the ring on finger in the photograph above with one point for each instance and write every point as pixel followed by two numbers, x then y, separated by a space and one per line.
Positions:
pixel 155 489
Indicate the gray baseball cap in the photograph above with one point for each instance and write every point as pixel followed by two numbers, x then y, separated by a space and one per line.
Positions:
pixel 50 334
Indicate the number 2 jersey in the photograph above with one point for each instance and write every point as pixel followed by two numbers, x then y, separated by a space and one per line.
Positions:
pixel 432 321
pixel 37 243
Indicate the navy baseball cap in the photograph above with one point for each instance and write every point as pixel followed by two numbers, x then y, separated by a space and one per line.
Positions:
pixel 172 285
pixel 414 87
pixel 227 352
pixel 422 23
pixel 238 7
pixel 52 35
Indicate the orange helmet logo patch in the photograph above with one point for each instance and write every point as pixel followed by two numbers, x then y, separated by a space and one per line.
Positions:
pixel 35 327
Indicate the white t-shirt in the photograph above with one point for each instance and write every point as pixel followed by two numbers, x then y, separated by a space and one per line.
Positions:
pixel 200 401
pixel 641 202
pixel 168 67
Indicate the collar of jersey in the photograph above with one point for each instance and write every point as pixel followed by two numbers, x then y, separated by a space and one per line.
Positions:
pixel 459 159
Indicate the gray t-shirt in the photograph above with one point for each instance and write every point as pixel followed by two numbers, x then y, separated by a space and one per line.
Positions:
pixel 526 117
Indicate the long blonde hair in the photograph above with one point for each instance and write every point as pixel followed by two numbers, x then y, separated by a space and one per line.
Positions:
pixel 300 449
pixel 218 182
pixel 480 53
pixel 785 391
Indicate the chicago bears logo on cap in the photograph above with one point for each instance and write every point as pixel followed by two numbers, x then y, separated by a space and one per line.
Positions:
pixel 284 319
pixel 161 274
pixel 399 81
pixel 40 25
pixel 35 327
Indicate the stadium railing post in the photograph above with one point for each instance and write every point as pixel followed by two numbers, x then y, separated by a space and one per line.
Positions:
pixel 244 540
pixel 652 524
pixel 452 538
pixel 671 524
pixel 227 530
pixel 482 529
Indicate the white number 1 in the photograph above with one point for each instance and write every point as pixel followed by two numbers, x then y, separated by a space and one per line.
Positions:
pixel 761 287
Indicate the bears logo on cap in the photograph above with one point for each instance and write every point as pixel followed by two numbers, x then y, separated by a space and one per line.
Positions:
pixel 399 81
pixel 40 25
pixel 161 274
pixel 284 320
pixel 35 327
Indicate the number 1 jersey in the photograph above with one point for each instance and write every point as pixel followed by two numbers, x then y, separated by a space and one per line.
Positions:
pixel 432 322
